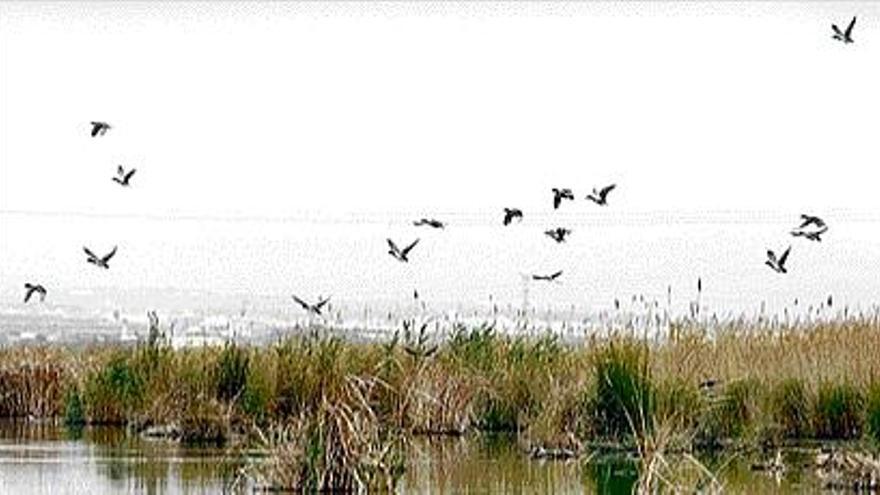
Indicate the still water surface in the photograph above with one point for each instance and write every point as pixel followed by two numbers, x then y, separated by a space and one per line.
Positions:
pixel 47 459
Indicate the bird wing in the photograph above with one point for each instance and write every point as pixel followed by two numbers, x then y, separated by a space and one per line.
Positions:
pixel 850 27
pixel 393 246
pixel 90 253
pixel 771 256
pixel 604 192
pixel 836 30
pixel 409 248
pixel 555 275
pixel 784 256
pixel 322 303
pixel 805 220
pixel 28 293
pixel 96 126
pixel 117 179
pixel 129 174
pixel 109 255
pixel 302 303
pixel 556 200
pixel 539 277
pixel 420 222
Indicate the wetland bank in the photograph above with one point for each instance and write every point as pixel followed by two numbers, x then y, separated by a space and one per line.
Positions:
pixel 729 410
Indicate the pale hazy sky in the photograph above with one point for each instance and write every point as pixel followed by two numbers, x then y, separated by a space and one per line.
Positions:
pixel 325 128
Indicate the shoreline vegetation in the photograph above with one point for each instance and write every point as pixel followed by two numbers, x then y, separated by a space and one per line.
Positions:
pixel 330 414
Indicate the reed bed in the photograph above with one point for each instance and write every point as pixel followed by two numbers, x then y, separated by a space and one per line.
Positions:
pixel 335 414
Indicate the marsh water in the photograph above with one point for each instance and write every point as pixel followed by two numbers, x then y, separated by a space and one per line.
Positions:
pixel 48 459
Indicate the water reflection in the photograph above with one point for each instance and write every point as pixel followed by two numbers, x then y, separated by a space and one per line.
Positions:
pixel 45 458
pixel 48 459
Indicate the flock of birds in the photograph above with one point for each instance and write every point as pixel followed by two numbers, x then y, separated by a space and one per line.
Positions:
pixel 811 227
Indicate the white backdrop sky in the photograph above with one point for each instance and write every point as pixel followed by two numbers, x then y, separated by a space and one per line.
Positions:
pixel 338 124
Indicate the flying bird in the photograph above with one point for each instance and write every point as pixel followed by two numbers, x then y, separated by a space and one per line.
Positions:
pixel 558 234
pixel 99 128
pixel 437 224
pixel 400 254
pixel 311 308
pixel 511 213
pixel 807 220
pixel 559 195
pixel 600 196
pixel 122 177
pixel 99 262
pixel 30 289
pixel 778 265
pixel 548 278
pixel 813 236
pixel 844 36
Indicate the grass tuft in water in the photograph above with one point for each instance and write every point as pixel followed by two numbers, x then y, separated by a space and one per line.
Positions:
pixel 837 413
pixel 623 399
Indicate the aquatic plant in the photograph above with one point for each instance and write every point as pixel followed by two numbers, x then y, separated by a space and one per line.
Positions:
pixel 74 412
pixel 872 412
pixel 232 371
pixel 838 411
pixel 789 405
pixel 623 398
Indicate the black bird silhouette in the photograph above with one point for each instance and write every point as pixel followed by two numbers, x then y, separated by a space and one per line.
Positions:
pixel 807 220
pixel 560 194
pixel 400 255
pixel 311 308
pixel 511 213
pixel 548 278
pixel 99 128
pixel 31 288
pixel 100 262
pixel 437 224
pixel 813 236
pixel 844 36
pixel 600 196
pixel 558 234
pixel 778 265
pixel 122 176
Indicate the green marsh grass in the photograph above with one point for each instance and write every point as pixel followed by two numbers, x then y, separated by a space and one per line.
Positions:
pixel 772 383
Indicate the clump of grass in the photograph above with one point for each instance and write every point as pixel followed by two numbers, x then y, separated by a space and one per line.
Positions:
pixel 74 411
pixel 733 415
pixel 623 399
pixel 32 383
pixel 837 412
pixel 113 392
pixel 338 447
pixel 789 405
pixel 679 403
pixel 872 412
pixel 232 371
pixel 256 400
pixel 437 398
